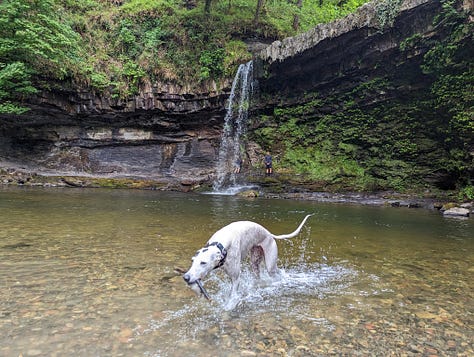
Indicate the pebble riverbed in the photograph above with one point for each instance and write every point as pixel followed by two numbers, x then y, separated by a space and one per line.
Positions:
pixel 92 274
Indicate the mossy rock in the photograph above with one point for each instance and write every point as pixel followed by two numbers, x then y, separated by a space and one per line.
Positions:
pixel 448 206
pixel 248 194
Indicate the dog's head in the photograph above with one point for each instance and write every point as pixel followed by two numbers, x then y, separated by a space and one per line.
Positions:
pixel 205 260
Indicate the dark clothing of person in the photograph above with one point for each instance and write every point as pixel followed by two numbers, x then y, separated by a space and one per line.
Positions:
pixel 268 161
pixel 238 166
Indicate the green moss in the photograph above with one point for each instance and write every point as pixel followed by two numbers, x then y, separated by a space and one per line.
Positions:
pixel 115 183
pixel 383 145
pixel 369 137
pixel 386 11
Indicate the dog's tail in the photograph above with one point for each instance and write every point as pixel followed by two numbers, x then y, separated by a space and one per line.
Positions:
pixel 296 232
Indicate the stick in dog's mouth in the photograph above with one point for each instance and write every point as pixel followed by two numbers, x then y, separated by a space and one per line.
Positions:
pixel 197 282
pixel 203 291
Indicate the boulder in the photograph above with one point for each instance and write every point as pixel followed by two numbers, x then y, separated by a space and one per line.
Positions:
pixel 457 211
pixel 467 205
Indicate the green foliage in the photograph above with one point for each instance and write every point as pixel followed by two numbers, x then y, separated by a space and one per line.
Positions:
pixel 212 63
pixel 114 47
pixel 34 40
pixel 126 39
pixel 318 162
pixel 34 34
pixel 316 12
pixel 137 7
pixel 466 193
pixel 15 79
pixel 99 81
pixel 235 53
pixel 411 42
pixel 386 11
pixel 132 73
pixel 12 108
pixel 449 63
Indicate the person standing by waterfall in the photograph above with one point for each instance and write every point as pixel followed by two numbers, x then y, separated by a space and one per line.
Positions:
pixel 238 165
pixel 268 164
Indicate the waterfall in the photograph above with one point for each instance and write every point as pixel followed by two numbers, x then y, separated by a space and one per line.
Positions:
pixel 235 126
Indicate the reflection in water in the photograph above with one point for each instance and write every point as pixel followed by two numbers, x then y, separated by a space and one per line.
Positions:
pixel 91 273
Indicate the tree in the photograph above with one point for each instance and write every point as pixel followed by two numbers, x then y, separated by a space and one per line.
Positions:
pixel 14 82
pixel 33 40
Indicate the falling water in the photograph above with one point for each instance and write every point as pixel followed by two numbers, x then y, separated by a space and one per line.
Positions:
pixel 235 124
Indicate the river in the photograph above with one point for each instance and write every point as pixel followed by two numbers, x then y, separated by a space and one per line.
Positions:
pixel 90 272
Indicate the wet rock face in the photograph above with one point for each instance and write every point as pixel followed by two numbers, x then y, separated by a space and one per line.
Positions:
pixel 152 99
pixel 163 148
pixel 166 133
pixel 335 57
pixel 357 82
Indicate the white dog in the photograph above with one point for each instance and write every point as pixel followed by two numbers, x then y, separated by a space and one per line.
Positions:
pixel 229 246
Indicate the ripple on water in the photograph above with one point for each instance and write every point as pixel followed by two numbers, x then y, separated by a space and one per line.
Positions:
pixel 292 294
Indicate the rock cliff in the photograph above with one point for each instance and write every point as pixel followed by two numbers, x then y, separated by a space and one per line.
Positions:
pixel 171 134
pixel 340 55
pixel 166 134
pixel 354 105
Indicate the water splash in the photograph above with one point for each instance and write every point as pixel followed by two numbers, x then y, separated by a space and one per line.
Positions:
pixel 290 285
pixel 295 292
pixel 235 126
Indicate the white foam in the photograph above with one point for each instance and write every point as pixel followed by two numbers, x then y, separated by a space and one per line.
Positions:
pixel 231 191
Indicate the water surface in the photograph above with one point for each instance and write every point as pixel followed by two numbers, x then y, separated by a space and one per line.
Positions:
pixel 91 273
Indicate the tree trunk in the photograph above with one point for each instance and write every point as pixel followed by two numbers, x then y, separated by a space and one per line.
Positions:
pixel 189 4
pixel 296 18
pixel 260 4
pixel 207 6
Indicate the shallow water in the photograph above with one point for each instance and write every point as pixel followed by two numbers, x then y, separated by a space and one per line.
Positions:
pixel 91 273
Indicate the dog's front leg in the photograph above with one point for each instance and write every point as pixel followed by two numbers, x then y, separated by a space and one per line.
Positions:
pixel 232 268
pixel 233 300
pixel 235 286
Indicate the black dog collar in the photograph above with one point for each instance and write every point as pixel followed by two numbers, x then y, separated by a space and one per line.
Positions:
pixel 223 252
